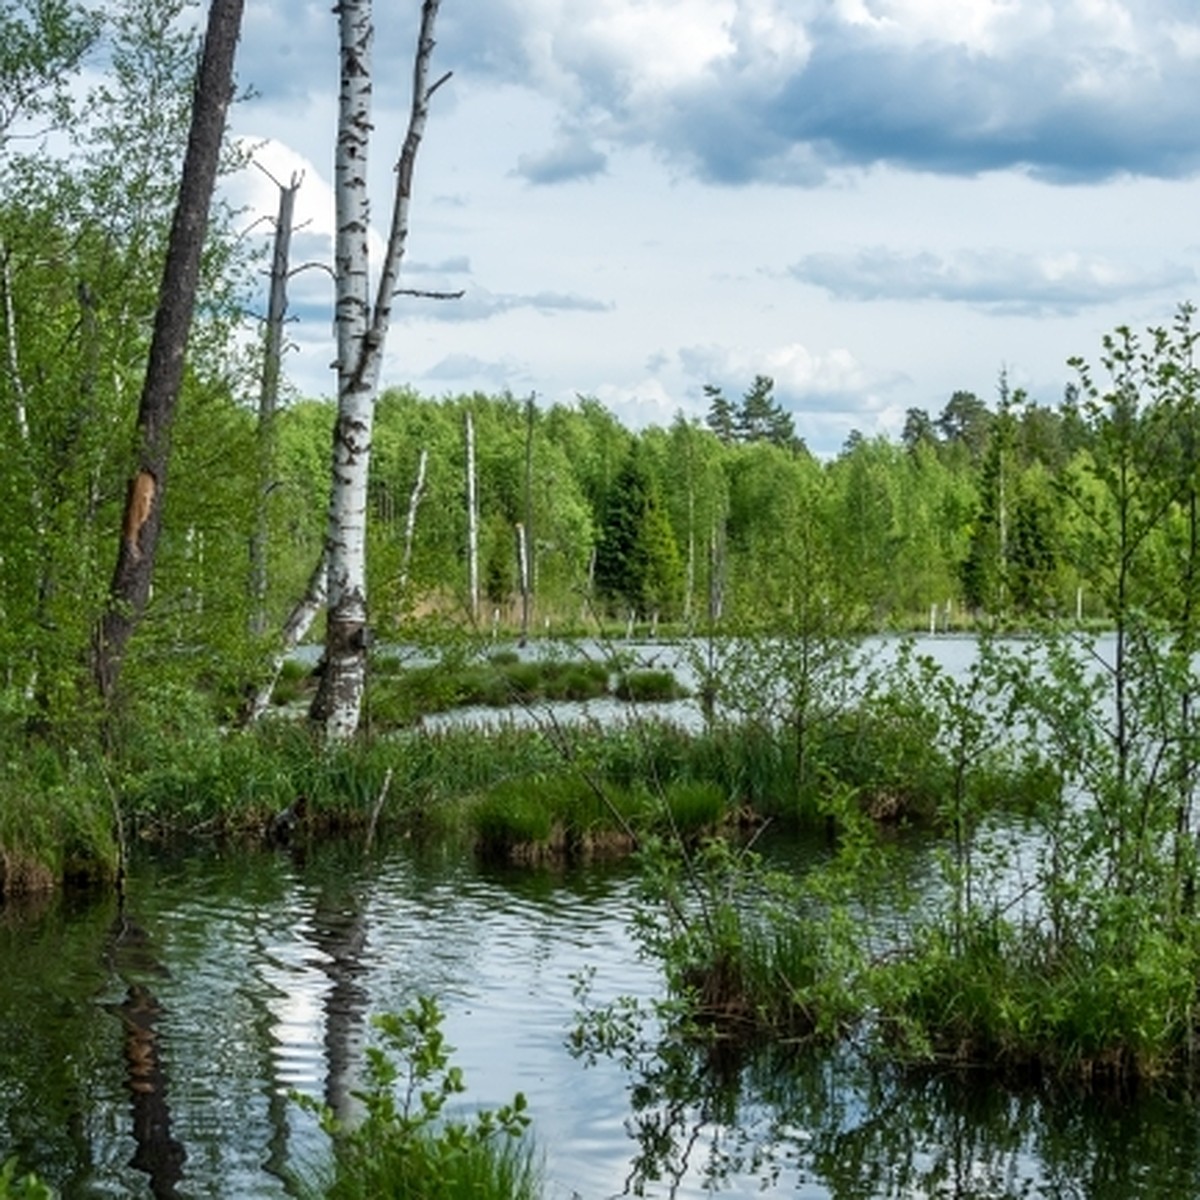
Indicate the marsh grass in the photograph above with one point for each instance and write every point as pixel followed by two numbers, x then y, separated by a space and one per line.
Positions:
pixel 1111 1008
pixel 57 822
pixel 399 698
pixel 566 815
pixel 750 954
pixel 649 687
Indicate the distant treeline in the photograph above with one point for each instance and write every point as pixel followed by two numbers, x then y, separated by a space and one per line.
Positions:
pixel 982 511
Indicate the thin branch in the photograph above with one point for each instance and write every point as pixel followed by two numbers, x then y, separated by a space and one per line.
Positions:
pixel 320 266
pixel 383 791
pixel 426 295
pixel 434 87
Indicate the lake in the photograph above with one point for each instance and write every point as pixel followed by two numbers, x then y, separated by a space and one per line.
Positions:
pixel 149 1050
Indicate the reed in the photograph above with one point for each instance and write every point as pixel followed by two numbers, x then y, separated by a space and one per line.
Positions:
pixel 57 822
pixel 649 687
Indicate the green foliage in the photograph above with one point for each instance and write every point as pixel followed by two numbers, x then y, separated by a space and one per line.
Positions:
pixel 406 1144
pixel 22 1187
pixel 1109 1006
pixel 41 46
pixel 57 821
pixel 399 698
pixel 82 234
pixel 749 952
pixel 637 559
pixel 647 686
pixel 758 418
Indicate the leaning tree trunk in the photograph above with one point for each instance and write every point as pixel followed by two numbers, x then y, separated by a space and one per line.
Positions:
pixel 410 521
pixel 140 527
pixel 268 400
pixel 361 334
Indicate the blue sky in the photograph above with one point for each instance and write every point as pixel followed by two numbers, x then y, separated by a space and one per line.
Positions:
pixel 876 202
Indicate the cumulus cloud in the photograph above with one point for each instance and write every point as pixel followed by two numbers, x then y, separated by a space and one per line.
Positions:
pixel 797 371
pixel 761 89
pixel 636 405
pixel 995 280
pixel 741 90
pixel 469 372
pixel 828 393
pixel 459 264
pixel 572 157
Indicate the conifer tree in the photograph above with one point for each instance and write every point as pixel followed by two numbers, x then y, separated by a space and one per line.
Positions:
pixel 637 559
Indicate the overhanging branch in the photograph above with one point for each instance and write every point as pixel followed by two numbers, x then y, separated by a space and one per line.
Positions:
pixel 430 295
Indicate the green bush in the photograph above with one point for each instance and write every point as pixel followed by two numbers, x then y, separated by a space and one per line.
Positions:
pixel 24 1187
pixel 646 687
pixel 405 1145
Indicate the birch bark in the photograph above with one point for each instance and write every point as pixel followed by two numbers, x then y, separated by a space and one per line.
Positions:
pixel 472 523
pixel 410 522
pixel 361 334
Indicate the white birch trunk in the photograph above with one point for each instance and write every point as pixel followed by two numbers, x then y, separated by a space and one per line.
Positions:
pixel 339 698
pixel 295 627
pixel 523 571
pixel 530 562
pixel 472 523
pixel 410 522
pixel 361 335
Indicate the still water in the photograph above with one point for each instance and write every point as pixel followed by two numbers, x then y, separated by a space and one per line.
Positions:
pixel 150 1050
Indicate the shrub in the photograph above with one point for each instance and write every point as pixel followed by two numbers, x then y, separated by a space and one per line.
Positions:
pixel 405 1145
pixel 645 687
pixel 23 1187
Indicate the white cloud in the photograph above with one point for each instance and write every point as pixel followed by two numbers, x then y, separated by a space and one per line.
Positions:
pixel 1061 281
pixel 859 198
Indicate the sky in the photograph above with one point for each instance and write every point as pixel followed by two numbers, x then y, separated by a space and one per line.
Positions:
pixel 875 202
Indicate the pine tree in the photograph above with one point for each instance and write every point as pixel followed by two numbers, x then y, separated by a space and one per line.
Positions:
pixel 637 559
pixel 722 416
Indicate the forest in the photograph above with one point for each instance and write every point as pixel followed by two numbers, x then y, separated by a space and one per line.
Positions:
pixel 983 512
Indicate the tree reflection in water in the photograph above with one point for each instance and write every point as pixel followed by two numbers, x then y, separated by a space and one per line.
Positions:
pixel 828 1122
pixel 158 1154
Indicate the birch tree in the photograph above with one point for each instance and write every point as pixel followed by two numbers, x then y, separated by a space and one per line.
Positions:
pixel 472 522
pixel 361 334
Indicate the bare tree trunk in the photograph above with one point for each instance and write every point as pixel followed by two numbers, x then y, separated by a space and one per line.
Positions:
pixel 690 584
pixel 410 522
pixel 299 622
pixel 528 565
pixel 472 523
pixel 716 572
pixel 268 398
pixel 138 544
pixel 523 574
pixel 361 334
